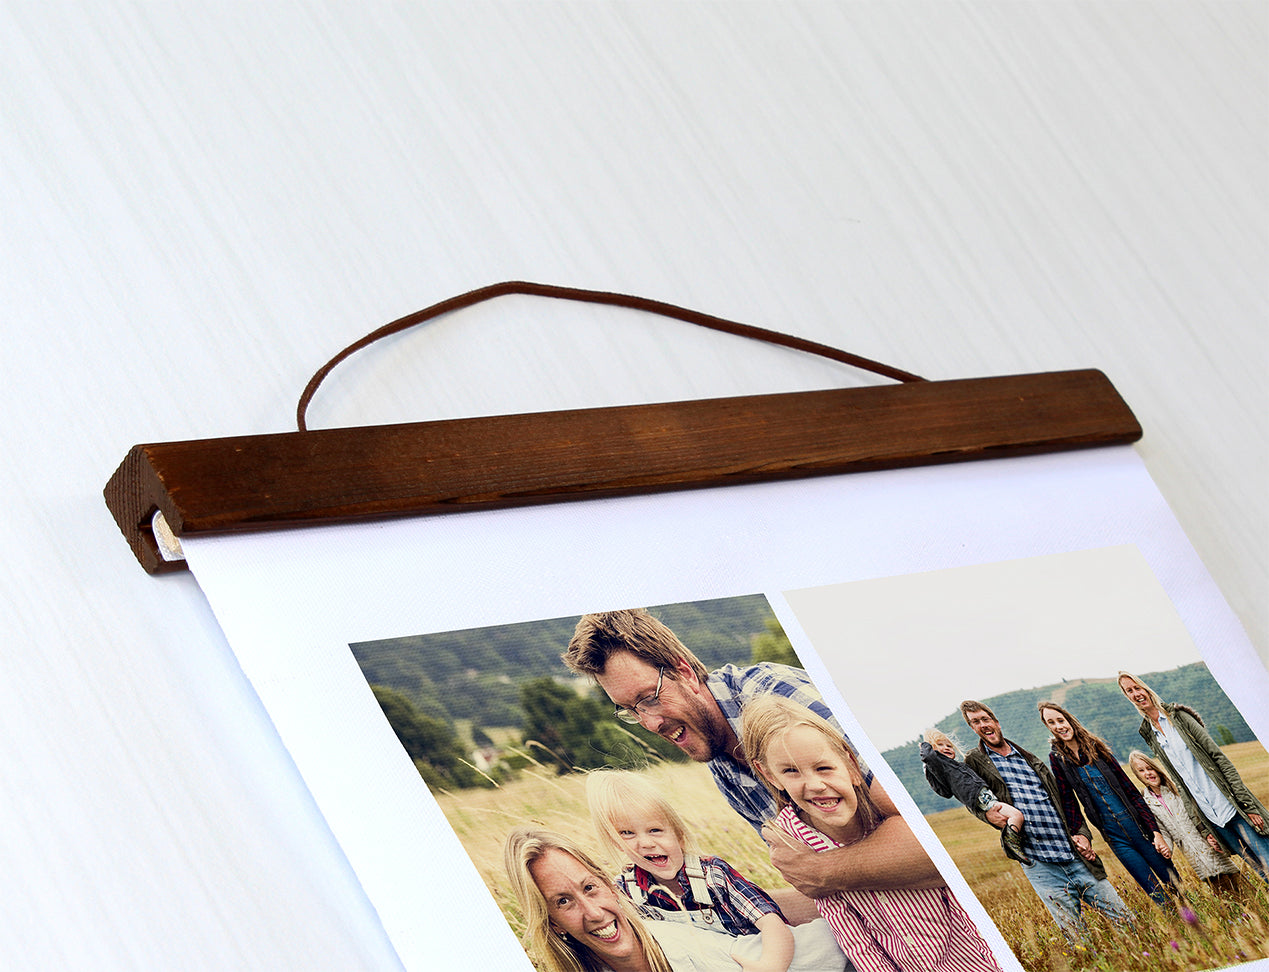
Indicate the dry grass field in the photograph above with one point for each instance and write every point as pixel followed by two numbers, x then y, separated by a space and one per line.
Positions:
pixel 482 819
pixel 1215 934
pixel 1207 933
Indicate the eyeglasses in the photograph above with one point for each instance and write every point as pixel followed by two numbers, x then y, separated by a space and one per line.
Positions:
pixel 630 713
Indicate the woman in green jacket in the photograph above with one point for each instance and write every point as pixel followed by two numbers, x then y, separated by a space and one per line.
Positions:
pixel 1176 735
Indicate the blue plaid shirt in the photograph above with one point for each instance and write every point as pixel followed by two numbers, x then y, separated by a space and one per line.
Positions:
pixel 733 686
pixel 1045 837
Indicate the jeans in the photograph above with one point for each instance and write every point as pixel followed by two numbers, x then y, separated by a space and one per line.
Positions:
pixel 1068 887
pixel 1147 866
pixel 1241 837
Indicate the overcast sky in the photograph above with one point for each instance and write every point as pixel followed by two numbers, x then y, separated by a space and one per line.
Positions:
pixel 906 650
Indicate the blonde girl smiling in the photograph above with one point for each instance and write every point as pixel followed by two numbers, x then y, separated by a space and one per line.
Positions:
pixel 815 778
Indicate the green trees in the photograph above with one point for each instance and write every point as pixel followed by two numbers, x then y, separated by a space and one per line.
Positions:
pixel 773 645
pixel 562 728
pixel 578 731
pixel 476 673
pixel 557 722
pixel 504 691
pixel 431 743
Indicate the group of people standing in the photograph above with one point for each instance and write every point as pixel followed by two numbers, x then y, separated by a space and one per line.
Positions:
pixel 864 893
pixel 1191 798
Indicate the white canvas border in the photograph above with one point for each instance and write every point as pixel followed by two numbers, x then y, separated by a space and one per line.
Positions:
pixel 291 601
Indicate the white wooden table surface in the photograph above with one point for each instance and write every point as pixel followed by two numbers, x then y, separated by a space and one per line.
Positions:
pixel 203 201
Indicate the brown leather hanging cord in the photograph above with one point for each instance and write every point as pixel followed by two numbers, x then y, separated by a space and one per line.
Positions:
pixel 593 297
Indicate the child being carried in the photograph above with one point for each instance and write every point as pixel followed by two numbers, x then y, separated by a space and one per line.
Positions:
pixel 949 777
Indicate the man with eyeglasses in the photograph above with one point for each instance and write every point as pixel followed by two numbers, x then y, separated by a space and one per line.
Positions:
pixel 655 682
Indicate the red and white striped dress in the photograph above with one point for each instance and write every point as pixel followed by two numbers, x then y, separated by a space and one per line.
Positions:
pixel 920 930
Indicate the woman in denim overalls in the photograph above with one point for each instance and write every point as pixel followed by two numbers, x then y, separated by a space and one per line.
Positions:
pixel 1088 772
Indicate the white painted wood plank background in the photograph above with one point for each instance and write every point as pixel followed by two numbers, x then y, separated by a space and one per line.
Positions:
pixel 201 202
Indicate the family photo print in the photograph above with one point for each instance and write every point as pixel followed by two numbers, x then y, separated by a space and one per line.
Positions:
pixel 666 789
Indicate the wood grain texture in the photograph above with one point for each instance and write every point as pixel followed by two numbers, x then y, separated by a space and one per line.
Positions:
pixel 264 481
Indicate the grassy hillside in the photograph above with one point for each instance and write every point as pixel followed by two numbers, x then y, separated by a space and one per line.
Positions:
pixel 1096 702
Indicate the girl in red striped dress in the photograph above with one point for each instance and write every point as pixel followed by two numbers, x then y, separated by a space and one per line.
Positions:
pixel 812 772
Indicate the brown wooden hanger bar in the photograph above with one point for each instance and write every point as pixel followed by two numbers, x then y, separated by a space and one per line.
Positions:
pixel 307 477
